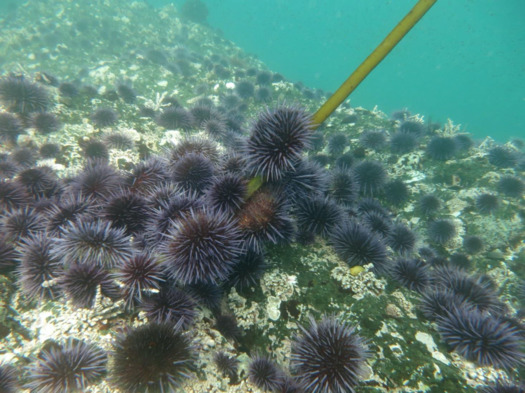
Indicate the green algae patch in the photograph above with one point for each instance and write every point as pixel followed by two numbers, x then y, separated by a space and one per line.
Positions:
pixel 466 173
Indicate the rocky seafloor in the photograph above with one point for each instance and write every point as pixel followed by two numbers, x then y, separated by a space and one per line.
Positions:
pixel 129 92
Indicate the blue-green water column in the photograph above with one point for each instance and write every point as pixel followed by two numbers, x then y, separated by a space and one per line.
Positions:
pixel 464 60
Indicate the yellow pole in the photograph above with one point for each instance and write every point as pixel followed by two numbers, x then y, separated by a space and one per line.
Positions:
pixel 372 60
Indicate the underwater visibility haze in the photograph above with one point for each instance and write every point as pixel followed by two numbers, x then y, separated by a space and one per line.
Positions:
pixel 464 61
pixel 173 220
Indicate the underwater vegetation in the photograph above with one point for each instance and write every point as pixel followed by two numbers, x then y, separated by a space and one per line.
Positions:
pixel 171 220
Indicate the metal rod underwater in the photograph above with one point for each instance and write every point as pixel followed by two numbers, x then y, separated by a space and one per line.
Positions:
pixel 379 53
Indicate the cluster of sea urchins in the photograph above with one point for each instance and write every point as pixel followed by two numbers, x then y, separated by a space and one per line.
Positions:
pixel 173 232
pixel 177 231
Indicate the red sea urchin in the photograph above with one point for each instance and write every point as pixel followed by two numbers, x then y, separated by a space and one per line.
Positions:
pixel 328 356
pixel 264 218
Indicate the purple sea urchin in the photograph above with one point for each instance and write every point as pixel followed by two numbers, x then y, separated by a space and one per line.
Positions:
pixel 245 89
pixel 193 172
pixel 441 148
pixel 227 365
pixel 81 281
pixel 202 146
pixel 45 123
pixel 511 186
pixel 371 177
pixel 69 209
pixel 438 303
pixel 318 215
pixel 127 211
pixel 248 270
pixel 38 267
pixel 377 223
pixel 118 140
pixel 8 380
pixel 264 373
pixel 94 149
pixel 472 290
pixel 402 143
pixel 202 246
pixel 337 143
pixel 401 239
pixel 154 358
pixel 104 117
pixel 22 96
pixel 13 195
pixel 277 141
pixel 147 175
pixel 473 244
pixel 202 113
pixel 429 204
pixel 482 338
pixel 502 157
pixel 171 210
pixel 397 192
pixel 39 182
pixel 328 356
pixel 8 256
pixel 227 325
pixel 172 305
pixel 373 139
pixel 126 93
pixel 487 203
pixel 356 245
pixel 308 179
pixel 441 231
pixel 140 273
pixel 67 368
pixel 97 180
pixel 10 127
pixel 21 223
pixel 175 117
pixel 411 273
pixel 227 193
pixel 412 127
pixel 343 186
pixel 93 242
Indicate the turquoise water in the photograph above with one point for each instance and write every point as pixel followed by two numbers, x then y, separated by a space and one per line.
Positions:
pixel 463 61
